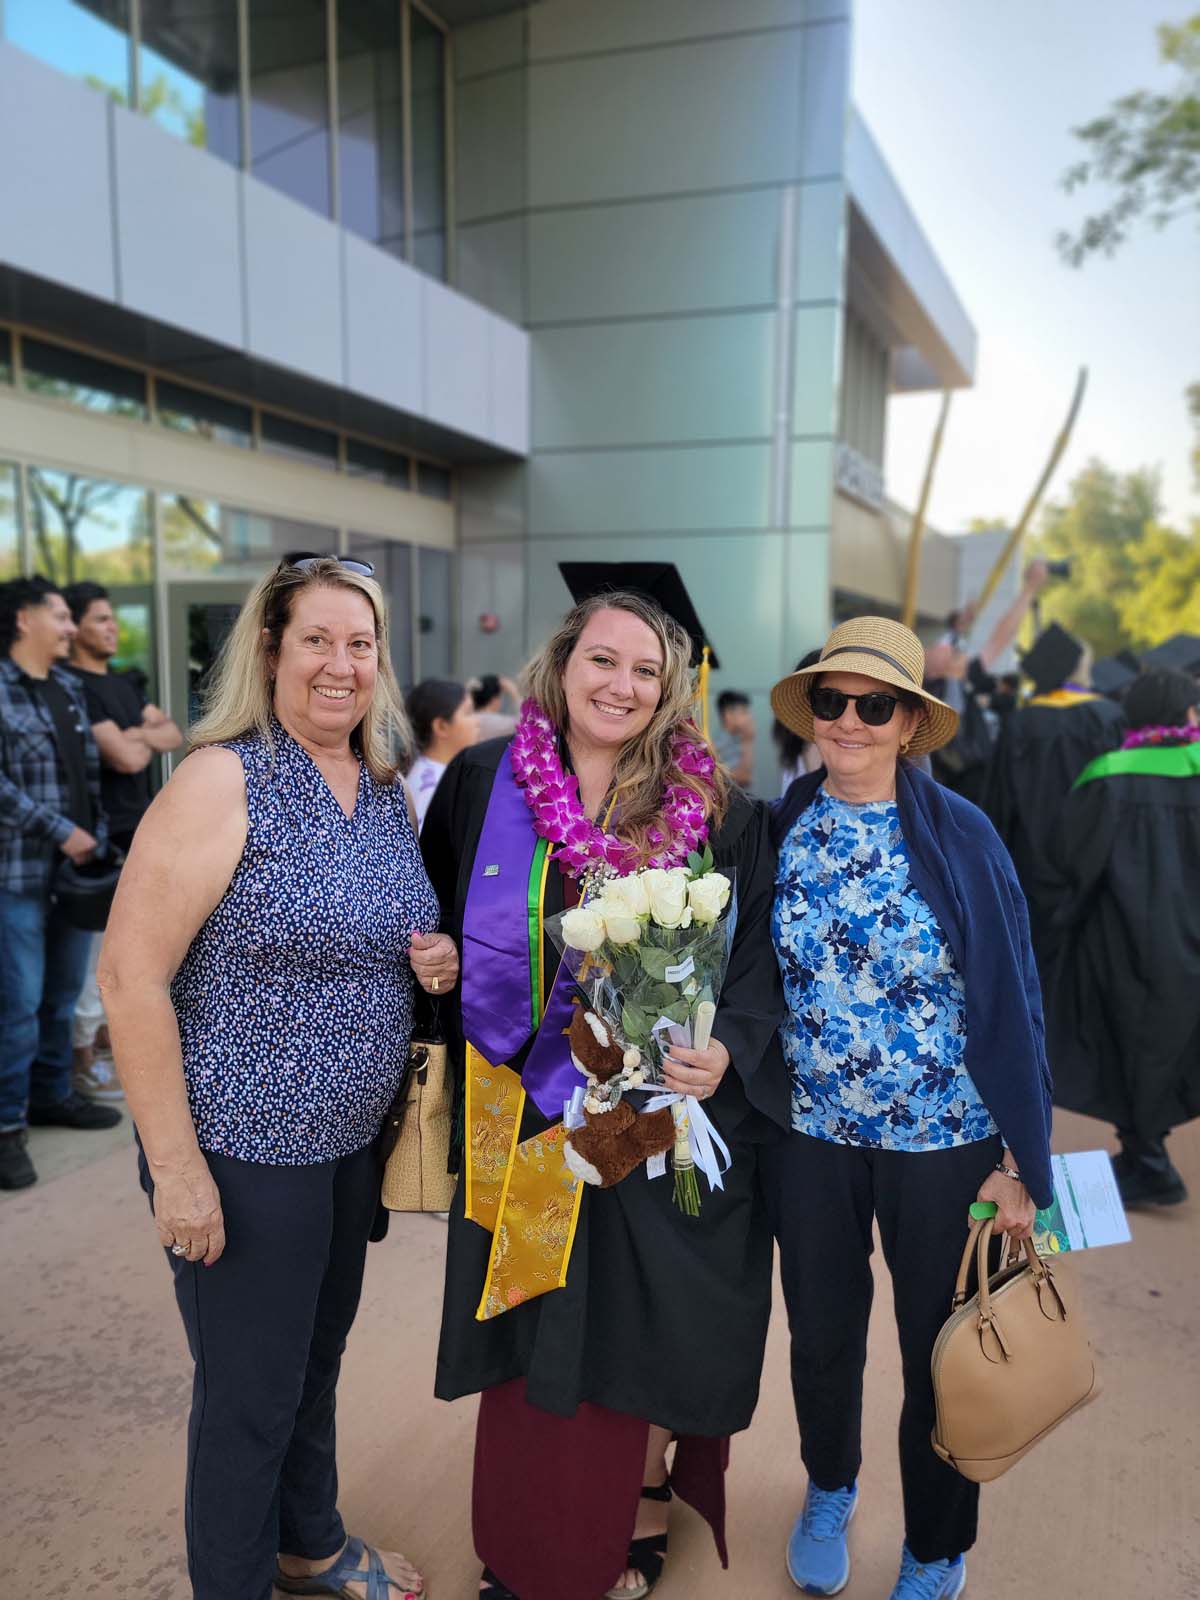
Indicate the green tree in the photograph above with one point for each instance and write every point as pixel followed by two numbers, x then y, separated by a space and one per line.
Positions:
pixel 1165 594
pixel 1145 149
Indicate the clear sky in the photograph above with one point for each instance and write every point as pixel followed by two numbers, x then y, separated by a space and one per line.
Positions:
pixel 972 103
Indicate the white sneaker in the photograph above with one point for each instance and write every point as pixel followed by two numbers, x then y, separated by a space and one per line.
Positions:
pixel 99 1081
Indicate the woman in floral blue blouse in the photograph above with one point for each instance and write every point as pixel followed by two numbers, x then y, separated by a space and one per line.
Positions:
pixel 916 1050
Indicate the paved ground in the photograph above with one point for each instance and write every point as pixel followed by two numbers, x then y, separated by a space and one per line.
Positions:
pixel 94 1383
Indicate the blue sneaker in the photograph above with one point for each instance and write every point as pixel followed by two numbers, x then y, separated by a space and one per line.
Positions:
pixel 817 1559
pixel 935 1580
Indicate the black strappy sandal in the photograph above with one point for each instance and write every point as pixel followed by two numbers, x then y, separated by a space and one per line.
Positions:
pixel 495 1589
pixel 648 1555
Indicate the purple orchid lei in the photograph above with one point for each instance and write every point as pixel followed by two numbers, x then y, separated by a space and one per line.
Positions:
pixel 552 795
pixel 1140 738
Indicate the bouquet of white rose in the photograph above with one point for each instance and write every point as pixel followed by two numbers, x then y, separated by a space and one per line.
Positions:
pixel 648 954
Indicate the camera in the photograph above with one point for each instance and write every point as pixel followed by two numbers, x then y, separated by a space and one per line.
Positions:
pixel 1058 569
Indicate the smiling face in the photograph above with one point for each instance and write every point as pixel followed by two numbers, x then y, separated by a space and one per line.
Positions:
pixel 96 631
pixel 327 664
pixel 613 680
pixel 45 631
pixel 861 760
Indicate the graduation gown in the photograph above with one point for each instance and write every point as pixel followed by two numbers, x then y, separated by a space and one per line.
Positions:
pixel 1041 750
pixel 663 1316
pixel 1123 1003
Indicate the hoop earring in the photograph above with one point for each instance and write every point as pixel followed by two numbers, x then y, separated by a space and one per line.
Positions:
pixel 904 744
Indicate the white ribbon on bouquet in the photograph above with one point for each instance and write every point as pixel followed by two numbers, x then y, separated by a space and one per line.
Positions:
pixel 708 1148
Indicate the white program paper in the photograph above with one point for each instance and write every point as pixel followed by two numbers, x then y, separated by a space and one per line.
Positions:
pixel 1087 1210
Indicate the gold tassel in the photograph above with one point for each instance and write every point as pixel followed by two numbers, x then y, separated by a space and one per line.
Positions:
pixel 702 690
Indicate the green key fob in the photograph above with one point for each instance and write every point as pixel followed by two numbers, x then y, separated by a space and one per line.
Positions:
pixel 981 1210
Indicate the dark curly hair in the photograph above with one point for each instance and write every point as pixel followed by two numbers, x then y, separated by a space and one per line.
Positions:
pixel 17 595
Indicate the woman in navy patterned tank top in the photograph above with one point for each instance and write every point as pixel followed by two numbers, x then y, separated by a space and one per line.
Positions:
pixel 258 978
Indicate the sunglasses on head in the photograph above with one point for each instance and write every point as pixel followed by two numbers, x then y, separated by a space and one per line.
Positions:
pixel 306 560
pixel 874 708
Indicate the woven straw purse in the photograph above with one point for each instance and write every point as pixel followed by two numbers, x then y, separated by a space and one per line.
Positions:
pixel 1010 1363
pixel 420 1121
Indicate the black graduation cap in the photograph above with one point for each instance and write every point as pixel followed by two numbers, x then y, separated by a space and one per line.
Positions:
pixel 1180 653
pixel 1051 659
pixel 1113 675
pixel 657 580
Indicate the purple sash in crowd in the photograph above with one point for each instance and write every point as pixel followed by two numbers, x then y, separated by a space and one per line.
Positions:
pixel 502 953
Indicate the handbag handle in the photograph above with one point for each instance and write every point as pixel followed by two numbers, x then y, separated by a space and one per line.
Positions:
pixel 976 1247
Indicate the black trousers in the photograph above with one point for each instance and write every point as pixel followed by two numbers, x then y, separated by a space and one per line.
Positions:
pixel 822 1198
pixel 267 1325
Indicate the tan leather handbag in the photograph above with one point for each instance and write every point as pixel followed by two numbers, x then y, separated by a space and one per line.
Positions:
pixel 1010 1363
pixel 420 1123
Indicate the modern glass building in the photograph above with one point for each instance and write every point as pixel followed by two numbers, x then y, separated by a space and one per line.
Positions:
pixel 471 287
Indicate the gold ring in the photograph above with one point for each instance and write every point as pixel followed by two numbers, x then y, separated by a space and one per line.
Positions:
pixel 434 985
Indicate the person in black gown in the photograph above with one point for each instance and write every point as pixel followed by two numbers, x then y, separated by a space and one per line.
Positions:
pixel 1041 750
pixel 659 1328
pixel 1124 1002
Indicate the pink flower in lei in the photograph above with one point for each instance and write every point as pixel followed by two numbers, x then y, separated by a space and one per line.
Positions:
pixel 1140 738
pixel 552 795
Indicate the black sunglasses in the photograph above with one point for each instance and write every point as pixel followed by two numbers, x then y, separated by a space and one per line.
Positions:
pixel 306 560
pixel 874 708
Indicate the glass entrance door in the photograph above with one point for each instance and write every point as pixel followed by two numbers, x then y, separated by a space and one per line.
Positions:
pixel 199 618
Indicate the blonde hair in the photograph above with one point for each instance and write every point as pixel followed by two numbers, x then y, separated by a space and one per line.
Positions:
pixel 645 768
pixel 240 698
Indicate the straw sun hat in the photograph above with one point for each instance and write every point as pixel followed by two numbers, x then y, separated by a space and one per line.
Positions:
pixel 879 648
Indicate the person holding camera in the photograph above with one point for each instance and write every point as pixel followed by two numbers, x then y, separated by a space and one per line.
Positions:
pixel 50 812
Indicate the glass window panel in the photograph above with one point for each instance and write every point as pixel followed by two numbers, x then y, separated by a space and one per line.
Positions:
pixel 85 41
pixel 393 572
pixel 436 635
pixel 208 415
pixel 85 380
pixel 435 482
pixel 289 99
pixel 87 528
pixel 202 539
pixel 371 122
pixel 429 146
pixel 6 370
pixel 189 73
pixel 10 538
pixel 298 441
pixel 372 461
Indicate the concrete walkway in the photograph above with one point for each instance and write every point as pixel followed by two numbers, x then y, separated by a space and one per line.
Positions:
pixel 94 1384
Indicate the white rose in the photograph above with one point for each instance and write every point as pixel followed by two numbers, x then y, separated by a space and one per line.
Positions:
pixel 582 929
pixel 667 894
pixel 627 895
pixel 708 896
pixel 620 928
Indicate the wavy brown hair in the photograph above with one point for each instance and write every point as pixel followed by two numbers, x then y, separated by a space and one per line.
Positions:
pixel 644 768
pixel 240 699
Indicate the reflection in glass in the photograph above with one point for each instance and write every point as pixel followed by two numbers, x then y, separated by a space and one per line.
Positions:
pixel 133 609
pixel 429 146
pixel 436 642
pixel 298 441
pixel 85 41
pixel 207 415
pixel 6 370
pixel 10 542
pixel 85 380
pixel 289 99
pixel 189 73
pixel 393 573
pixel 203 539
pixel 86 528
pixel 435 482
pixel 371 122
pixel 372 461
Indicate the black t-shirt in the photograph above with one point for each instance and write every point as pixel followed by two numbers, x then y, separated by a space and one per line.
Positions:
pixel 117 697
pixel 68 736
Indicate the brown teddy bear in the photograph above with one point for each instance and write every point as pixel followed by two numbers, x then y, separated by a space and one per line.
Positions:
pixel 614 1138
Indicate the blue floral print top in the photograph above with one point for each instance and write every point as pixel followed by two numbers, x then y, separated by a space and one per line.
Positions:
pixel 294 1000
pixel 876 1029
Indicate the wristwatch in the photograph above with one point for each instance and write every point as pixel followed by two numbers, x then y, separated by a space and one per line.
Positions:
pixel 1009 1172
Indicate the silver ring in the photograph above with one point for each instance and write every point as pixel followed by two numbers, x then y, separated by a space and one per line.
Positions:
pixel 179 1249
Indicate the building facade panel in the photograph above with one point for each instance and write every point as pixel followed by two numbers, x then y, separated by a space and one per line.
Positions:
pixel 56 219
pixel 595 493
pixel 385 331
pixel 816 354
pixel 576 27
pixel 293 284
pixel 825 100
pixel 489 133
pixel 508 386
pixel 457 379
pixel 820 240
pixel 178 232
pixel 489 265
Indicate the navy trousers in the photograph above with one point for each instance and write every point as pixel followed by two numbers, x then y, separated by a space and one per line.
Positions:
pixel 267 1325
pixel 822 1199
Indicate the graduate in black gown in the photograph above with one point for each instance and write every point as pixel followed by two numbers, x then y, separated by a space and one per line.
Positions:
pixel 1124 1001
pixel 1041 750
pixel 662 1318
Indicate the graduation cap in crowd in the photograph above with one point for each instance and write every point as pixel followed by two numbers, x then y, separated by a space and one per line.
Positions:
pixel 1180 653
pixel 656 580
pixel 1051 659
pixel 1114 674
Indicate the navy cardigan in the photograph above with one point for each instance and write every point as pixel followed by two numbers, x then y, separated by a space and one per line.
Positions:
pixel 957 862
